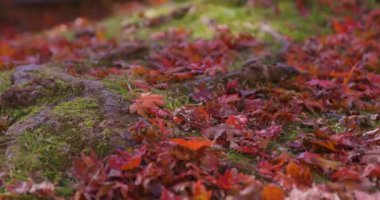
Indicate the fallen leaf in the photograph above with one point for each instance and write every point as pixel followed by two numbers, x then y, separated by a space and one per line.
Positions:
pixel 234 180
pixel 345 173
pixel 317 160
pixel 126 160
pixel 194 143
pixel 300 173
pixel 272 192
pixel 19 187
pixel 132 163
pixel 43 190
pixel 146 104
pixel 200 192
pixel 3 122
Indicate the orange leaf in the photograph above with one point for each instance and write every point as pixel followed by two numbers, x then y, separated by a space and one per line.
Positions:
pixel 132 163
pixel 200 192
pixel 272 192
pixel 139 71
pixel 194 144
pixel 338 27
pixel 300 173
pixel 123 160
pixel 147 103
pixel 5 49
pixel 226 181
pixel 233 180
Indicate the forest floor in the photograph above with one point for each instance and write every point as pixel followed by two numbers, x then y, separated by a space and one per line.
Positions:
pixel 141 105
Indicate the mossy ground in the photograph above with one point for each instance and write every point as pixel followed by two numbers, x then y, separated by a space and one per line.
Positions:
pixel 242 161
pixel 48 150
pixel 50 97
pixel 240 19
pixel 5 81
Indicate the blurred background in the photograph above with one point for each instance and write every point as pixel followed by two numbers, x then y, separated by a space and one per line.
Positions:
pixel 17 16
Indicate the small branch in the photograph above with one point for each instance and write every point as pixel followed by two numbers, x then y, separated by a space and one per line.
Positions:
pixel 266 28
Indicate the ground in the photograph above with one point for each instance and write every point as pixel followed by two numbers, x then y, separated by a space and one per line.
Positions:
pixel 151 103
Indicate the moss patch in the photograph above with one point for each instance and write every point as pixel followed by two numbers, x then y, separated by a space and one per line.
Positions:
pixel 49 150
pixel 84 109
pixel 39 150
pixel 241 161
pixel 19 114
pixel 50 96
pixel 123 87
pixel 5 81
pixel 238 18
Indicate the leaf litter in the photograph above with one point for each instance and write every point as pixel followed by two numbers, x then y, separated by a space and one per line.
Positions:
pixel 182 153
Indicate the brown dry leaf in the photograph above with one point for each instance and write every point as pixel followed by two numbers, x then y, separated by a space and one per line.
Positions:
pixel 300 173
pixel 3 122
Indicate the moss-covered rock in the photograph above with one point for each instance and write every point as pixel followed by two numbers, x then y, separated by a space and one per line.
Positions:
pixel 48 150
pixel 86 110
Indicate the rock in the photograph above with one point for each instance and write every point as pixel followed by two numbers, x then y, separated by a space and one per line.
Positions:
pixel 112 106
pixel 24 95
pixel 29 123
pixel 24 74
pixel 254 71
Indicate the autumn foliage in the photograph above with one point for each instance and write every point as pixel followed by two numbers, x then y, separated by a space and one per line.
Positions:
pixel 185 153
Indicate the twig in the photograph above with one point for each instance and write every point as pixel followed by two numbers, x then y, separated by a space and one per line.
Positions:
pixel 266 28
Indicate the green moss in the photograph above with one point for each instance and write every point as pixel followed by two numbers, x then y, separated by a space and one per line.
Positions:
pixel 123 87
pixel 243 162
pixel 78 117
pixel 5 81
pixel 113 26
pixel 21 197
pixel 65 187
pixel 319 179
pixel 336 126
pixel 288 135
pixel 39 150
pixel 298 27
pixel 50 96
pixel 19 114
pixel 245 19
pixel 61 91
pixel 49 149
pixel 240 158
pixel 85 109
pixel 173 99
pixel 237 18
